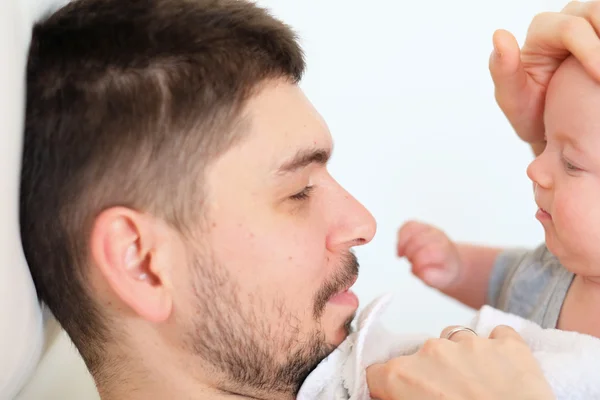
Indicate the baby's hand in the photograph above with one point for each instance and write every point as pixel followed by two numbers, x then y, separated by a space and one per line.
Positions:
pixel 434 257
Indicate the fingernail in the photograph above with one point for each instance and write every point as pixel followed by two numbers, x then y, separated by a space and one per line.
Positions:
pixel 496 53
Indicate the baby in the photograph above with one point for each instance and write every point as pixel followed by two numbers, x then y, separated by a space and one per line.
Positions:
pixel 558 284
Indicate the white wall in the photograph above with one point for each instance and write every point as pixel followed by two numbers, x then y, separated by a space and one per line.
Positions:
pixel 406 91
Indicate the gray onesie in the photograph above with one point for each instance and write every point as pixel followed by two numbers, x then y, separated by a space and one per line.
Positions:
pixel 531 284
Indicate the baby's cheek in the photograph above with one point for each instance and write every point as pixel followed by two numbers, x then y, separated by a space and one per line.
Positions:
pixel 567 212
pixel 578 227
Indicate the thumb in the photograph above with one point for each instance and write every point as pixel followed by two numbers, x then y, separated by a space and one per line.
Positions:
pixel 514 92
pixel 505 62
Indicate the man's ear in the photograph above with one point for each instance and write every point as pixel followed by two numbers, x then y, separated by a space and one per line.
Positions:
pixel 124 246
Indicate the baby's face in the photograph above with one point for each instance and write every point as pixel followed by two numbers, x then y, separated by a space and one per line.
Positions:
pixel 567 174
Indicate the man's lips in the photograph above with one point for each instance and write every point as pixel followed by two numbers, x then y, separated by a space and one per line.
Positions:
pixel 346 296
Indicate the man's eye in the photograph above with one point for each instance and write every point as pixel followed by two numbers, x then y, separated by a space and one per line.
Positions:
pixel 304 194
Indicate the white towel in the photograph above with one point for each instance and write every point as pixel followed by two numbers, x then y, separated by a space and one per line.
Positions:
pixel 570 360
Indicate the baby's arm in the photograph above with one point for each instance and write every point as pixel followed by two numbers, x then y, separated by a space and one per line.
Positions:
pixel 472 284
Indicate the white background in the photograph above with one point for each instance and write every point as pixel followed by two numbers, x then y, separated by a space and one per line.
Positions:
pixel 405 89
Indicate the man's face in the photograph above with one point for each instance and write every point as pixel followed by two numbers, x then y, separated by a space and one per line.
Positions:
pixel 567 174
pixel 268 299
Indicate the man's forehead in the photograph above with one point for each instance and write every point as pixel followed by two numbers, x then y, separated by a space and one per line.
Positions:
pixel 286 128
pixel 282 132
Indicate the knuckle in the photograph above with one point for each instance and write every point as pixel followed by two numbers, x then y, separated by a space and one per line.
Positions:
pixel 407 228
pixel 541 18
pixel 447 330
pixel 509 339
pixel 569 27
pixel 570 7
pixel 431 229
pixel 474 344
pixel 440 237
pixel 447 244
pixel 394 370
pixel 411 224
pixel 432 347
pixel 593 8
pixel 503 331
pixel 443 237
pixel 434 229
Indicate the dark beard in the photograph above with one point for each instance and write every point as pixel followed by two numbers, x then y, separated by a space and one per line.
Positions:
pixel 254 358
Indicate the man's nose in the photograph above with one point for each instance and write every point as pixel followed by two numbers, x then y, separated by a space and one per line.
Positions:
pixel 354 225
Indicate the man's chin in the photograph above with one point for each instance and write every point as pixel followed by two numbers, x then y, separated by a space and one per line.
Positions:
pixel 342 331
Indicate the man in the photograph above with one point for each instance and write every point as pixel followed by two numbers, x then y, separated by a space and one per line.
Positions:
pixel 177 213
pixel 176 210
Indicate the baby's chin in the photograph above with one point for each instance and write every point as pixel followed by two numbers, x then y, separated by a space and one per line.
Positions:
pixel 567 260
pixel 552 243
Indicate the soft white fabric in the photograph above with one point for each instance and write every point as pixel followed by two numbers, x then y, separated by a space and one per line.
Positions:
pixel 21 329
pixel 569 360
pixel 21 319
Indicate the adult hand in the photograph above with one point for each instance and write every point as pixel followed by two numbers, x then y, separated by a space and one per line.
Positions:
pixel 464 367
pixel 521 77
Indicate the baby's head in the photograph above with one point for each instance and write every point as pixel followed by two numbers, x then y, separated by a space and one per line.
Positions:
pixel 567 174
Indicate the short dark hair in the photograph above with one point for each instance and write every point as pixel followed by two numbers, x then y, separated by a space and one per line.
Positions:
pixel 127 100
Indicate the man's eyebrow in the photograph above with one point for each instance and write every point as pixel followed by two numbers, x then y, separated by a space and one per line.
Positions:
pixel 304 158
